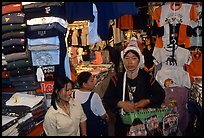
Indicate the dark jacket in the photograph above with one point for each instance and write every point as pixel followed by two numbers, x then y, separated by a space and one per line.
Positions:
pixel 146 88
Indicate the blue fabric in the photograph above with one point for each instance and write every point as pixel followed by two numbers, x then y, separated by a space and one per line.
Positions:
pixel 60 69
pixel 45 57
pixel 67 67
pixel 93 34
pixel 112 10
pixel 44 41
pixel 78 11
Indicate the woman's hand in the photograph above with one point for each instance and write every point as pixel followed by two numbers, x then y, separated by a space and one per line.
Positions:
pixel 127 106
pixel 142 103
pixel 146 69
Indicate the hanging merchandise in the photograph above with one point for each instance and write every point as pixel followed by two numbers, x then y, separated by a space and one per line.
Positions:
pixel 40 74
pixel 93 35
pixel 196 39
pixel 195 67
pixel 174 14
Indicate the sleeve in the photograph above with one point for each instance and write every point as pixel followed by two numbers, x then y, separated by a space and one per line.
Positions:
pixel 97 105
pixel 193 13
pixel 111 96
pixel 157 13
pixel 156 55
pixel 157 92
pixel 49 125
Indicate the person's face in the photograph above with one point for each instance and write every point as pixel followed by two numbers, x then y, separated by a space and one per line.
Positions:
pixel 65 93
pixel 147 41
pixel 90 84
pixel 131 61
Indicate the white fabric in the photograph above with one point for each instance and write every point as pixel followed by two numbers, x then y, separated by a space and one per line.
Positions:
pixel 47 20
pixel 179 77
pixel 40 74
pixel 74 37
pixel 79 55
pixel 96 103
pixel 84 37
pixel 11 131
pixel 133 46
pixel 58 123
pixel 26 117
pixel 27 3
pixel 124 87
pixel 182 56
pixel 7 119
pixel 24 99
pixel 182 15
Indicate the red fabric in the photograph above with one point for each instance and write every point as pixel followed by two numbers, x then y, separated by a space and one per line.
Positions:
pixel 11 8
pixel 125 22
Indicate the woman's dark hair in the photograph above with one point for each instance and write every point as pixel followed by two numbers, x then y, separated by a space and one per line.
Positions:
pixel 134 52
pixel 83 77
pixel 59 83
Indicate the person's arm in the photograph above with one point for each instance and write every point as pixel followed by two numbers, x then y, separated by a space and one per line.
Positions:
pixel 127 106
pixel 83 122
pixel 83 128
pixel 151 69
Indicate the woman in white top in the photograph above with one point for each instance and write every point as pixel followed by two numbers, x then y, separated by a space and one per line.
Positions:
pixel 92 105
pixel 65 117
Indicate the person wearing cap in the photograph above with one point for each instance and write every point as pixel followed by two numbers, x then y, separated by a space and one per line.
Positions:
pixel 132 89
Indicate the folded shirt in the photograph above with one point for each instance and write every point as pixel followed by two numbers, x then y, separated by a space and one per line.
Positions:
pixel 24 99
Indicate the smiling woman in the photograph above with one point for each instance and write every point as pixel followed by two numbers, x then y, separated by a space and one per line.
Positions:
pixel 64 107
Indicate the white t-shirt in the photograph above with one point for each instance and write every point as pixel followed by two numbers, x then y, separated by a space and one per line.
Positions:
pixel 182 56
pixel 96 103
pixel 178 75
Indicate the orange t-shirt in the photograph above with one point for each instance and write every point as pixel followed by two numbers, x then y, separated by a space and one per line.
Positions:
pixel 195 67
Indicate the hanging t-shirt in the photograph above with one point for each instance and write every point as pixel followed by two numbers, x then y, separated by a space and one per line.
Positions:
pixel 181 33
pixel 196 40
pixel 93 26
pixel 79 11
pixel 167 14
pixel 195 67
pixel 173 76
pixel 125 22
pixel 98 59
pixel 182 56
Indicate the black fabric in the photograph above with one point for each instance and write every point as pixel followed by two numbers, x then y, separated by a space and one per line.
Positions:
pixel 96 126
pixel 69 38
pixel 45 11
pixel 148 57
pixel 114 56
pixel 18 111
pixel 13 49
pixel 86 55
pixel 144 90
pixel 14 34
